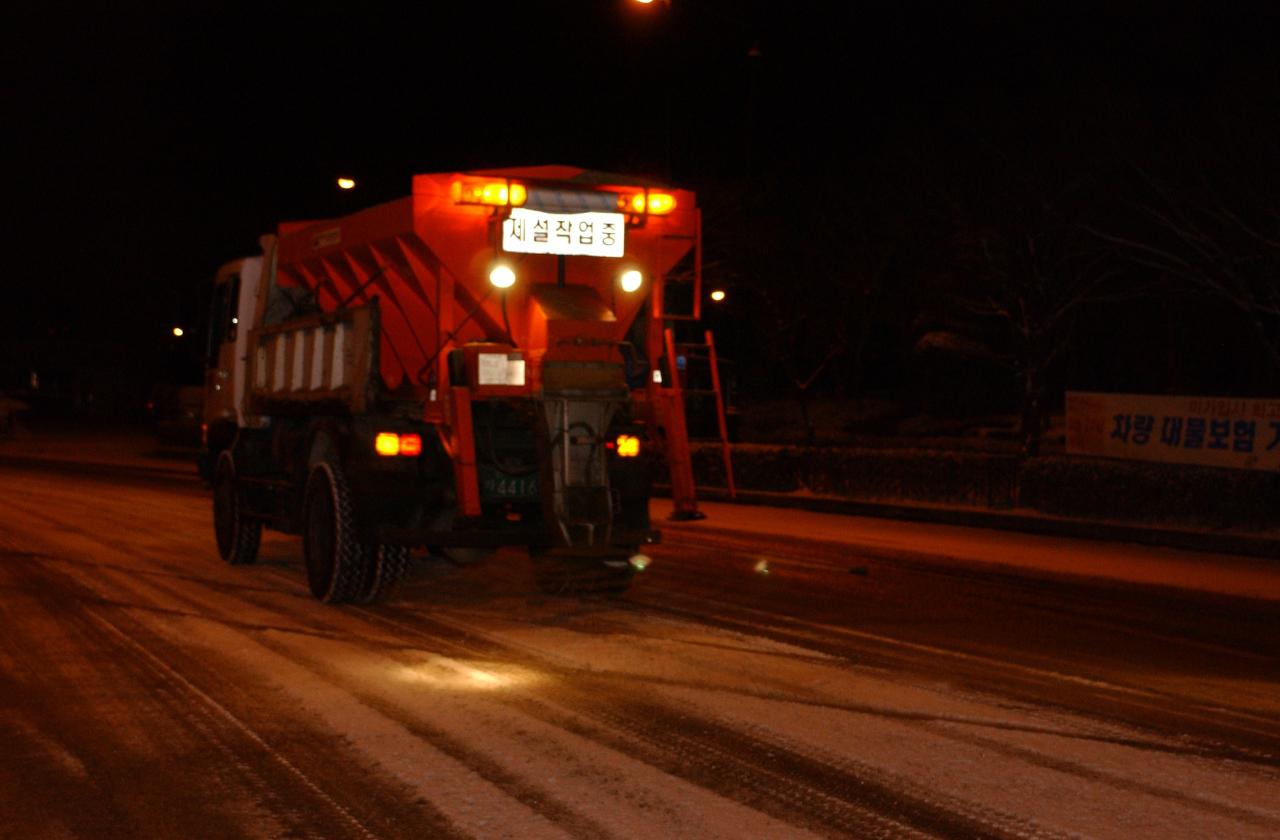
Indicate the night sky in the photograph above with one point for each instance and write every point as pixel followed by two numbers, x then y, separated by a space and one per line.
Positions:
pixel 150 145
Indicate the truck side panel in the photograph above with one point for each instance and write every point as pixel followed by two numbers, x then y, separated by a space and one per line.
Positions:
pixel 320 363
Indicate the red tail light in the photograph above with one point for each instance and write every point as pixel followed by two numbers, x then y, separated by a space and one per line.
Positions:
pixel 390 444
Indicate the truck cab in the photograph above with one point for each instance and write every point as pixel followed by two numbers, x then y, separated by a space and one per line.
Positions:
pixel 231 312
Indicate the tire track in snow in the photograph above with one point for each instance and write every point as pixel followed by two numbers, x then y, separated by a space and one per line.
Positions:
pixel 172 591
pixel 1252 736
pixel 83 699
pixel 1116 607
pixel 244 749
pixel 754 629
pixel 543 799
pixel 333 634
pixel 1268 821
pixel 766 774
pixel 930 721
pixel 214 709
pixel 475 761
pixel 278 574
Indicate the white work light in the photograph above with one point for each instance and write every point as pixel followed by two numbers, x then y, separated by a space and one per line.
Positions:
pixel 502 277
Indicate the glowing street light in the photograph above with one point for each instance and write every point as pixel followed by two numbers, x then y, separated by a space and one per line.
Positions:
pixel 177 332
pixel 717 295
pixel 346 183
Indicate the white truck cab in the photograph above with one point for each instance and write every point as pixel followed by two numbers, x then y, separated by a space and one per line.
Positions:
pixel 231 314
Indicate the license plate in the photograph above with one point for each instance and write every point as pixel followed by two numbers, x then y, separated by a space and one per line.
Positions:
pixel 499 485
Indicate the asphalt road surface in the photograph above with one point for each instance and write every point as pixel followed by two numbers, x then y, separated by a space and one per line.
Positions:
pixel 745 688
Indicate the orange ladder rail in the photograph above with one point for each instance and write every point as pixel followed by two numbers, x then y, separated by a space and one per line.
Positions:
pixel 679 457
pixel 725 451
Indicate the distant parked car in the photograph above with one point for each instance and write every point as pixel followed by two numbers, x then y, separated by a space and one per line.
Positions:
pixel 10 408
pixel 176 413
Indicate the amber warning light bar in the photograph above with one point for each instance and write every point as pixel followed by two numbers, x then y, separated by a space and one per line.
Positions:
pixel 493 193
pixel 653 203
pixel 507 194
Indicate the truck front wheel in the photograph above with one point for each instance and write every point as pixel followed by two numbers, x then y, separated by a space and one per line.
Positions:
pixel 238 535
pixel 338 563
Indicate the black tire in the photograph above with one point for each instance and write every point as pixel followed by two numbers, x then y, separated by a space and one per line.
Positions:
pixel 338 564
pixel 389 566
pixel 238 534
pixel 560 574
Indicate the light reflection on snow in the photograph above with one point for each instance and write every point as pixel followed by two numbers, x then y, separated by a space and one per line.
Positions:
pixel 445 673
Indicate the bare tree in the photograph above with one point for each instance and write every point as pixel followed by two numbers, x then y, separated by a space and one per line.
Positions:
pixel 1039 272
pixel 808 258
pixel 1217 238
pixel 1202 207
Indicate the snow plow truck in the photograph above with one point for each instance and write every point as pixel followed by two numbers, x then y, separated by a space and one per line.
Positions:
pixel 484 363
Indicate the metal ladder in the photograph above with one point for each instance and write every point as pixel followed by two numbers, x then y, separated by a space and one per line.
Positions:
pixel 679 378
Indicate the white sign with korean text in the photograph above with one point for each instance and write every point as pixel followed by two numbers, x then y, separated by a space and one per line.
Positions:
pixel 1212 431
pixel 528 231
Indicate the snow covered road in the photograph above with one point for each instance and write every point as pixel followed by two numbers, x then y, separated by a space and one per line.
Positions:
pixel 747 687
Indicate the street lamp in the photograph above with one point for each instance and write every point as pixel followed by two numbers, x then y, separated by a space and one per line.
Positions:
pixel 665 28
pixel 745 26
pixel 346 183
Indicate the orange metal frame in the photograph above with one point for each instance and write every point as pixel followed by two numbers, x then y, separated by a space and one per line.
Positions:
pixel 676 432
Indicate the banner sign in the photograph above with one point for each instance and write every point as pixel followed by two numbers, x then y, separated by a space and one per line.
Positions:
pixel 528 231
pixel 1212 431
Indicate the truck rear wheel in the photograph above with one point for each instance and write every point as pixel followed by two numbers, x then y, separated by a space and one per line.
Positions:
pixel 338 564
pixel 562 574
pixel 238 535
pixel 389 566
